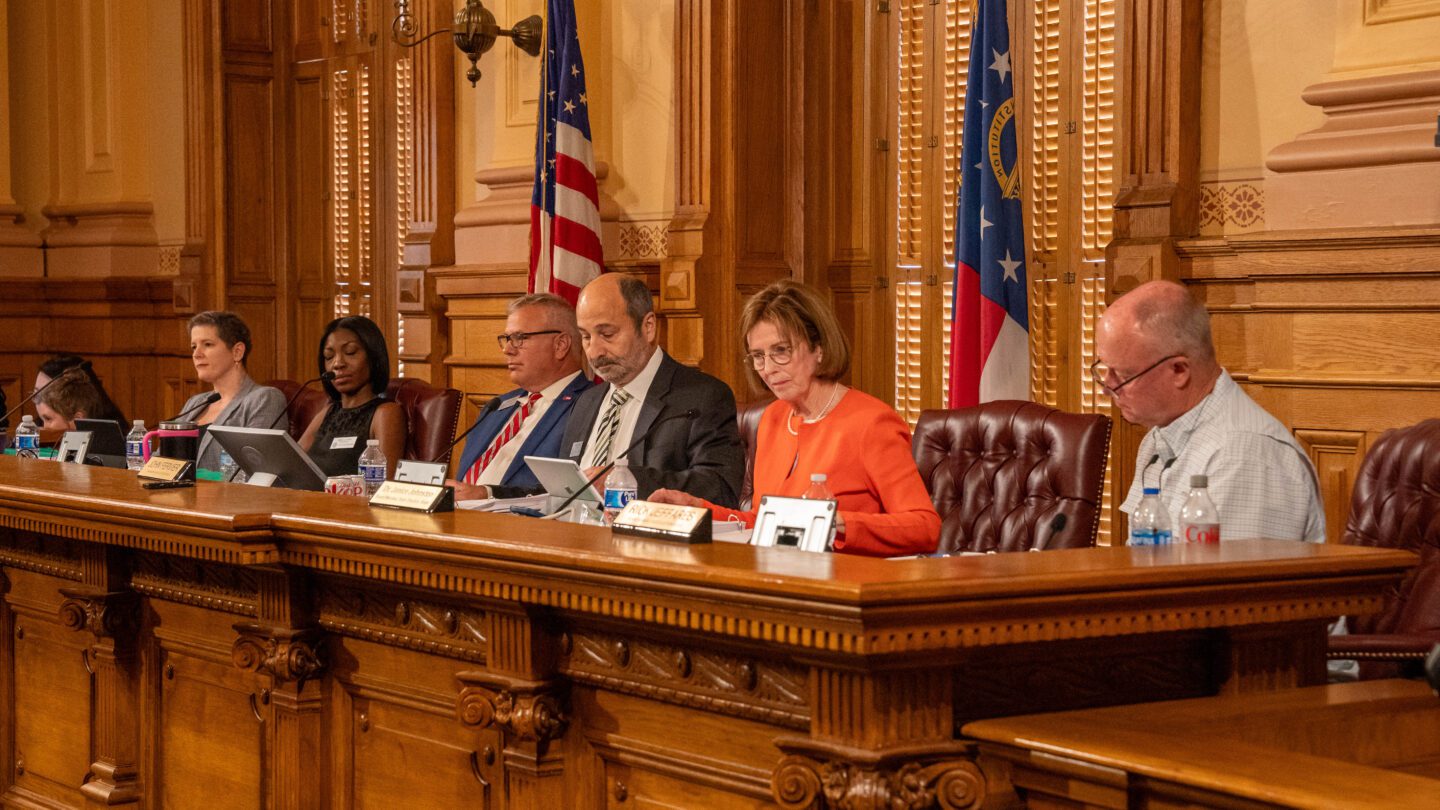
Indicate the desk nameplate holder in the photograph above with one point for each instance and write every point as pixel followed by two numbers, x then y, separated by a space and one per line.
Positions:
pixel 664 521
pixel 414 497
pixel 159 468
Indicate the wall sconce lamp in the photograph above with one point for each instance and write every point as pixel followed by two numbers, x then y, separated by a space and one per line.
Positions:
pixel 475 32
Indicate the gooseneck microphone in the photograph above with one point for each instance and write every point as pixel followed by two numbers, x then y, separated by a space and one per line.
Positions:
pixel 199 407
pixel 81 367
pixel 1057 525
pixel 454 444
pixel 327 376
pixel 1146 471
pixel 688 414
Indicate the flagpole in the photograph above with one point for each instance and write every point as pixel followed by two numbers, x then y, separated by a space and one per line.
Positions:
pixel 546 254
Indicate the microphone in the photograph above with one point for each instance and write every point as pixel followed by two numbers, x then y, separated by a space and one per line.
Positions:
pixel 327 376
pixel 82 367
pixel 455 444
pixel 1057 525
pixel 688 414
pixel 213 397
pixel 1163 468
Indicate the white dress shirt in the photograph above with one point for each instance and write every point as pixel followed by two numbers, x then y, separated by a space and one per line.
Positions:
pixel 629 412
pixel 495 472
pixel 1261 481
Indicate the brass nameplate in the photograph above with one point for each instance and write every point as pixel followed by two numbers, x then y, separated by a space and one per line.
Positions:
pixel 159 468
pixel 664 521
pixel 415 497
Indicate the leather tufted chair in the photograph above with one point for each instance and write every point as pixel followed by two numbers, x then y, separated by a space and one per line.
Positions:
pixel 1001 472
pixel 305 408
pixel 1396 504
pixel 748 417
pixel 431 414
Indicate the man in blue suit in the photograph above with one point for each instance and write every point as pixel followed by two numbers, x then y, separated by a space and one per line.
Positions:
pixel 542 353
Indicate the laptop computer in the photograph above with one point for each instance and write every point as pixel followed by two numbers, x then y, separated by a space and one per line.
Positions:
pixel 107 443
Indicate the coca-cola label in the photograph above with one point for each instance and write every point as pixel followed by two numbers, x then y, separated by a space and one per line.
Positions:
pixel 1202 533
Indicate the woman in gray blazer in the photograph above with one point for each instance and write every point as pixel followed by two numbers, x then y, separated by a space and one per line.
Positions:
pixel 219 346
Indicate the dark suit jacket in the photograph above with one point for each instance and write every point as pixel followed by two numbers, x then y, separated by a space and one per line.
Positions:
pixel 544 440
pixel 702 456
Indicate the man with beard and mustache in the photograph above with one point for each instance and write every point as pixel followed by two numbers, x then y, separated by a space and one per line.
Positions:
pixel 643 389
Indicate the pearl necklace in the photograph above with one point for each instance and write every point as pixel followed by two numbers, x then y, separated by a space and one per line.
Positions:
pixel 824 412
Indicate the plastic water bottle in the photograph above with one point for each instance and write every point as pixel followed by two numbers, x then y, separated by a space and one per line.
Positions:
pixel 372 466
pixel 27 438
pixel 134 449
pixel 1199 519
pixel 620 489
pixel 1150 525
pixel 227 466
pixel 818 490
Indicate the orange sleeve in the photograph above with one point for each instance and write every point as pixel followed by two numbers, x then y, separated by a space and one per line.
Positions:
pixel 909 523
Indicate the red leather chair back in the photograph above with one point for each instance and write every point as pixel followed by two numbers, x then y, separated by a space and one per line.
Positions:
pixel 1396 504
pixel 748 417
pixel 431 416
pixel 305 407
pixel 1001 472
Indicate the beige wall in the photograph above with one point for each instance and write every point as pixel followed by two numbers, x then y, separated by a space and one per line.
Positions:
pixel 629 54
pixel 1260 56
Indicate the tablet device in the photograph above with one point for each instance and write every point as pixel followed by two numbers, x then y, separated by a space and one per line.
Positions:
pixel 107 443
pixel 270 457
pixel 562 478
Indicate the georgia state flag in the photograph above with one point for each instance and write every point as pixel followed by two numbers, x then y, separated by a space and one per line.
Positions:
pixel 989 338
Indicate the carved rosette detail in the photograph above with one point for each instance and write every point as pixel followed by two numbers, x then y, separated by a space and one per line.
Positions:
pixel 105 615
pixel 532 717
pixel 284 655
pixel 802 783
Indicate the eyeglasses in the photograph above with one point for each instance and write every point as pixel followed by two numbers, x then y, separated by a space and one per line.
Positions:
pixel 1101 372
pixel 517 339
pixel 780 356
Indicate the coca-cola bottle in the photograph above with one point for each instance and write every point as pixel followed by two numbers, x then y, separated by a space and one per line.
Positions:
pixel 1199 519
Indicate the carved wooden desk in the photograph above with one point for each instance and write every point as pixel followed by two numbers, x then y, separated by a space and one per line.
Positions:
pixel 227 646
pixel 1356 745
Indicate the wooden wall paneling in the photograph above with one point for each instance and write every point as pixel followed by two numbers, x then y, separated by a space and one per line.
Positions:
pixel 311 295
pixel 1157 62
pixel 199 288
pixel 844 86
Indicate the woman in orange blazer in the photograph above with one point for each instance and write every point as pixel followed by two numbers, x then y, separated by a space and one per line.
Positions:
pixel 795 347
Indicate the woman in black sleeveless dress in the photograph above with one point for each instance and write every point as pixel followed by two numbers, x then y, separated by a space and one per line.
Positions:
pixel 354 349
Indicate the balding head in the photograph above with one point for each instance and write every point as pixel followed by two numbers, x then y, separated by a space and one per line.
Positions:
pixel 1164 315
pixel 617 326
pixel 1155 342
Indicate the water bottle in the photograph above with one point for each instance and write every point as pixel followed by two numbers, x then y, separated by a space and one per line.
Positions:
pixel 27 438
pixel 134 446
pixel 1150 524
pixel 818 490
pixel 620 489
pixel 1199 519
pixel 227 466
pixel 372 466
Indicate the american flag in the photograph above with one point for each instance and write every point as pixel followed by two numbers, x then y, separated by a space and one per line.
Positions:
pixel 989 338
pixel 565 251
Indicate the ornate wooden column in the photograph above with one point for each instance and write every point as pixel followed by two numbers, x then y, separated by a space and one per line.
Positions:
pixel 878 740
pixel 104 606
pixel 519 695
pixel 282 647
pixel 1157 144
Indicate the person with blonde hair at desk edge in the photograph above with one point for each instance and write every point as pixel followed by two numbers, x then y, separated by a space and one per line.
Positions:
pixel 795 347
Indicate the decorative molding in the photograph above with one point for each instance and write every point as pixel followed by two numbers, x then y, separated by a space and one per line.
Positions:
pixel 43 555
pixel 392 619
pixel 703 679
pixel 114 615
pixel 232 549
pixel 179 579
pixel 902 780
pixel 640 241
pixel 284 654
pixel 1232 206
pixel 526 711
pixel 1379 12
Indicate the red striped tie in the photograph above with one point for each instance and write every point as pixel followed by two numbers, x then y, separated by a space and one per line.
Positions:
pixel 473 474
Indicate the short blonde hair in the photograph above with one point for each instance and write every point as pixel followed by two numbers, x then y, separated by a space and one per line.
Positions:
pixel 800 312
